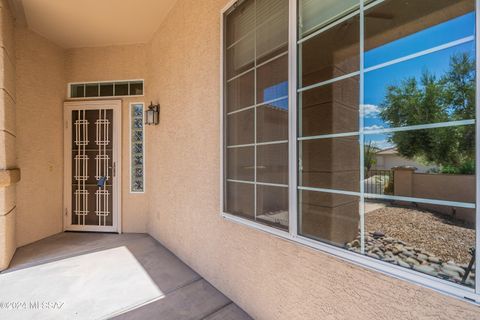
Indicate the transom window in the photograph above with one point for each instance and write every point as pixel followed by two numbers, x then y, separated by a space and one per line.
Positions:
pixel 106 89
pixel 374 149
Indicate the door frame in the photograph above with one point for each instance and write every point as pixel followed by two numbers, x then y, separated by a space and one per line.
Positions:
pixel 116 106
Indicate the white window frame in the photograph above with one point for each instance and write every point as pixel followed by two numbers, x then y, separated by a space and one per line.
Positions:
pixel 69 89
pixel 409 275
pixel 130 146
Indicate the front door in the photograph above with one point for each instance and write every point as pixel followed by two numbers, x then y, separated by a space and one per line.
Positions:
pixel 92 171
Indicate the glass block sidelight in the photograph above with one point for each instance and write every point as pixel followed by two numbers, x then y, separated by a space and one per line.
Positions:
pixel 137 156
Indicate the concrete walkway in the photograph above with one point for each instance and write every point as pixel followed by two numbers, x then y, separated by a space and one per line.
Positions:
pixel 186 294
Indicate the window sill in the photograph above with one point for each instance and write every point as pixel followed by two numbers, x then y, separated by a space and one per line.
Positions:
pixel 448 288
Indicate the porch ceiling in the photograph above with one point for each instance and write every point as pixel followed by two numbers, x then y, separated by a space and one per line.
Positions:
pixel 92 23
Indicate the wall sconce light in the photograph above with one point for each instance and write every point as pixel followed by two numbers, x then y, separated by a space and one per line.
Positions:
pixel 152 115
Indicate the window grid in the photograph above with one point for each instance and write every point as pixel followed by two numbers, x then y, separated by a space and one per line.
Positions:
pixel 331 23
pixel 390 130
pixel 259 183
pixel 341 16
pixel 362 133
pixel 249 33
pixel 256 66
pixel 257 144
pixel 255 73
pixel 73 88
pixel 256 104
pixel 445 46
pixel 361 128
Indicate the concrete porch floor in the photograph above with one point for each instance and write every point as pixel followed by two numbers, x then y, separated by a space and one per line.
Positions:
pixel 187 294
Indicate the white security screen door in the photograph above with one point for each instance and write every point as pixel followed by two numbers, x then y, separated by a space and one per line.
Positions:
pixel 92 170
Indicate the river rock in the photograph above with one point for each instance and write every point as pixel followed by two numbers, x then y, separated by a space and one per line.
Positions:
pixel 390 259
pixel 422 257
pixel 450 273
pixel 454 268
pixel 402 263
pixel 434 259
pixel 425 269
pixel 408 253
pixel 378 234
pixel 412 261
pixel 373 255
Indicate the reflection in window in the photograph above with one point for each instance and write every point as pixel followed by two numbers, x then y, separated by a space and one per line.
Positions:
pixel 121 89
pixel 272 121
pixel 77 90
pixel 316 14
pixel 331 163
pixel 136 88
pixel 424 237
pixel 331 108
pixel 272 80
pixel 332 53
pixel 329 217
pixel 393 176
pixel 448 152
pixel 256 112
pixel 91 90
pixel 106 89
pixel 137 183
pixel 398 28
pixel 434 88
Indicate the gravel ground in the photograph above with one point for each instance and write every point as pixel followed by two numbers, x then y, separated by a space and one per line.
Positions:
pixel 438 234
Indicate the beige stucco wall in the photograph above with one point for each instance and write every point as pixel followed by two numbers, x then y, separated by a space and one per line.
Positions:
pixel 449 187
pixel 389 161
pixel 43 71
pixel 269 277
pixel 116 63
pixel 41 89
pixel 8 134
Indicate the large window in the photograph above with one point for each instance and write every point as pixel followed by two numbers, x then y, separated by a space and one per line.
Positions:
pixel 256 111
pixel 382 132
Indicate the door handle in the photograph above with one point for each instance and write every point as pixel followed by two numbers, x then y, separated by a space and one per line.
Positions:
pixel 113 169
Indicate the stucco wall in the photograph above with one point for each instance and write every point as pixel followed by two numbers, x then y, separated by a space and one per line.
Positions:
pixel 43 71
pixel 449 187
pixel 41 89
pixel 388 161
pixel 269 277
pixel 116 63
pixel 8 134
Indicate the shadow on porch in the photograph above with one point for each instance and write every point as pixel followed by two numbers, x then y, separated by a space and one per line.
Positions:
pixel 94 275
